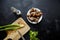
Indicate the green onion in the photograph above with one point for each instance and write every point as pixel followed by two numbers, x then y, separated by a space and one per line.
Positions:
pixel 10 27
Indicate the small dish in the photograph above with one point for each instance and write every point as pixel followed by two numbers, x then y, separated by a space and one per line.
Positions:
pixel 40 17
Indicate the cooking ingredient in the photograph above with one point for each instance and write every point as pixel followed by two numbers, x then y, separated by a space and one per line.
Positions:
pixel 11 27
pixel 33 35
pixel 34 15
pixel 31 18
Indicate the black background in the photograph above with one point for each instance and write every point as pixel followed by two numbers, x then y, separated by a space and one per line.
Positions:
pixel 48 28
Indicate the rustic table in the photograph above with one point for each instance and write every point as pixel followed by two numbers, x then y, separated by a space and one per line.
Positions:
pixel 48 28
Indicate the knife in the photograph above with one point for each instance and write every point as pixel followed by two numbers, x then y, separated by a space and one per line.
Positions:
pixel 21 35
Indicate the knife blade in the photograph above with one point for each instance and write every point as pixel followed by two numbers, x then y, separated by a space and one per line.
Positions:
pixel 21 35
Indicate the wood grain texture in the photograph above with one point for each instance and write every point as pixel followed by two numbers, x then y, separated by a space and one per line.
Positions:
pixel 14 35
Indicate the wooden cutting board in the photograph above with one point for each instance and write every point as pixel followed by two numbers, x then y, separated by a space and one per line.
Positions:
pixel 14 35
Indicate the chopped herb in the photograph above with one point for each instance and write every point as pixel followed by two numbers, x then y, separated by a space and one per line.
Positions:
pixel 33 35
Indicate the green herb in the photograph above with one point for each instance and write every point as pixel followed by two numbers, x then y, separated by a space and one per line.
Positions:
pixel 33 35
pixel 10 27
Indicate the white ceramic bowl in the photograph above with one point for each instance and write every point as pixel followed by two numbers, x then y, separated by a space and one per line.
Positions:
pixel 39 18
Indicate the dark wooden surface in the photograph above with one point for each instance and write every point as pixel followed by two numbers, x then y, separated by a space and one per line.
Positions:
pixel 48 28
